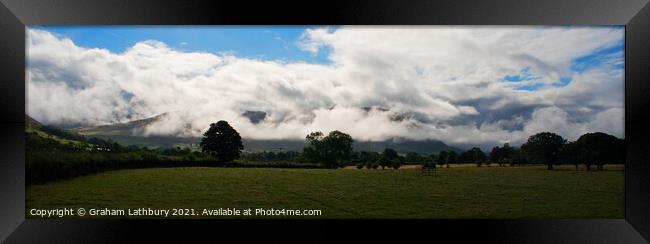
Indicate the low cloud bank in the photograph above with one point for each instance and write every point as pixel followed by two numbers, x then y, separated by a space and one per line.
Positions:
pixel 444 83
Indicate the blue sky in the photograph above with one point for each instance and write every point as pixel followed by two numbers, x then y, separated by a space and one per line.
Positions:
pixel 266 43
pixel 610 57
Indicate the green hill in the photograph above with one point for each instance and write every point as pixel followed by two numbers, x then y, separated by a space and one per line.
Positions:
pixel 31 123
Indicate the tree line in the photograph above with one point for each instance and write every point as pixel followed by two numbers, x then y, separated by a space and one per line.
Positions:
pixel 335 150
pixel 542 148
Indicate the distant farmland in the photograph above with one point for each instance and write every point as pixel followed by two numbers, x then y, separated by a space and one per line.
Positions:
pixel 457 192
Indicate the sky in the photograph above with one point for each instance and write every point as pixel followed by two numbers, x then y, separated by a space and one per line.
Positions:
pixel 463 85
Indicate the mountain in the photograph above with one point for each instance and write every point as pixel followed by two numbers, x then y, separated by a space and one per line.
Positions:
pixel 31 123
pixel 129 134
pixel 121 129
pixel 59 134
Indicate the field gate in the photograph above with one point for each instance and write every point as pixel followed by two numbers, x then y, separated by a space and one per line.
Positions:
pixel 427 170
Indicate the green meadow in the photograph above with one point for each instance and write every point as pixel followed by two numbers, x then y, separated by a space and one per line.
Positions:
pixel 527 192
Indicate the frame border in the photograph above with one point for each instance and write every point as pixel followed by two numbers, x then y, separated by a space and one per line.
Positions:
pixel 634 14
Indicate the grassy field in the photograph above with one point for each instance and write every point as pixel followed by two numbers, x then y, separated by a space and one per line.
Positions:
pixel 458 192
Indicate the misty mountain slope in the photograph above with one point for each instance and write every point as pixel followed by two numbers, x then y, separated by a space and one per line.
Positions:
pixel 60 135
pixel 119 129
pixel 130 134
pixel 31 123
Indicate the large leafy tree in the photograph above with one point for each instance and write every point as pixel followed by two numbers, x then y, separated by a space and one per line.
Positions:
pixel 389 158
pixel 314 152
pixel 222 142
pixel 571 154
pixel 600 148
pixel 331 150
pixel 390 153
pixel 544 147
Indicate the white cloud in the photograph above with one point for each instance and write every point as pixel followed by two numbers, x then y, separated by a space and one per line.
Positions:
pixel 423 82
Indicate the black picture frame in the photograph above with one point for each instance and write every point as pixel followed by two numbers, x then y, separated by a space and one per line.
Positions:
pixel 634 14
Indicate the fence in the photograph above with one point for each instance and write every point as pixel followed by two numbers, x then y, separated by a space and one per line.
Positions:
pixel 427 170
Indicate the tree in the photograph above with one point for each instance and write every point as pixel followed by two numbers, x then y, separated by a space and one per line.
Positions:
pixel 501 155
pixel 384 161
pixel 412 157
pixel 390 153
pixel 396 164
pixel 477 156
pixel 474 155
pixel 465 157
pixel 331 150
pixel 571 154
pixel 599 148
pixel 389 158
pixel 222 142
pixel 544 147
pixel 495 155
pixel 432 158
pixel 518 157
pixel 339 145
pixel 506 154
pixel 364 157
pixel 442 158
pixel 452 158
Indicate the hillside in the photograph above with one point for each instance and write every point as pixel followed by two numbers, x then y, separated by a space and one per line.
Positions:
pixel 31 123
pixel 119 129
pixel 36 130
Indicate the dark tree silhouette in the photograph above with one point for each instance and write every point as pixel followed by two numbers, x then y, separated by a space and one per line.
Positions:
pixel 495 155
pixel 442 158
pixel 452 158
pixel 475 155
pixel 396 164
pixel 506 154
pixel 501 155
pixel 518 157
pixel 544 147
pixel 389 158
pixel 390 153
pixel 600 148
pixel 364 158
pixel 222 142
pixel 571 154
pixel 331 150
pixel 412 157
